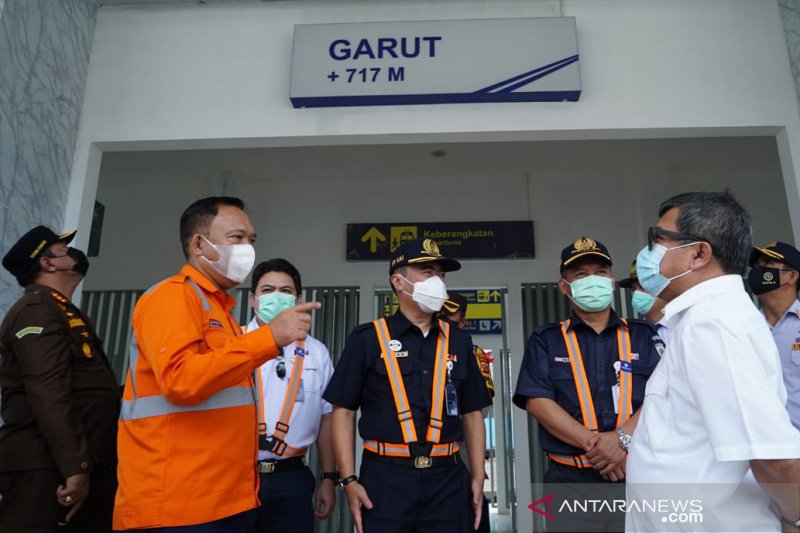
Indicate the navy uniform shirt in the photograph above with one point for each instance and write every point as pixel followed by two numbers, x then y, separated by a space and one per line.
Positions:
pixel 547 373
pixel 360 380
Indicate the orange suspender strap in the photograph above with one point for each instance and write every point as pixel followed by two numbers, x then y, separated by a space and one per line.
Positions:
pixel 396 382
pixel 584 392
pixel 435 423
pixel 625 403
pixel 434 433
pixel 282 425
pixel 401 450
pixel 579 374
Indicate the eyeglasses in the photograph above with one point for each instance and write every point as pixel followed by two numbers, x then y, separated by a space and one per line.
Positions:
pixel 280 368
pixel 655 231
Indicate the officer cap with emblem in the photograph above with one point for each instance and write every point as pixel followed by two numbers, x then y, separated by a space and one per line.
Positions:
pixel 22 258
pixel 777 251
pixel 418 251
pixel 584 247
pixel 627 283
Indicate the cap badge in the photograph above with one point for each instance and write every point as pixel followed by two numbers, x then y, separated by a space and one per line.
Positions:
pixel 584 244
pixel 431 248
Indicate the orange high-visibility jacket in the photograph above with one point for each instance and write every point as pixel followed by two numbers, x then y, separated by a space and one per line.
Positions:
pixel 187 432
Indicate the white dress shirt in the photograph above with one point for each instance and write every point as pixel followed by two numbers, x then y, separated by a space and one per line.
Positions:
pixel 715 401
pixel 787 336
pixel 310 407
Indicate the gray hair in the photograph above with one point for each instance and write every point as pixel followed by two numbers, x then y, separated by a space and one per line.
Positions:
pixel 718 219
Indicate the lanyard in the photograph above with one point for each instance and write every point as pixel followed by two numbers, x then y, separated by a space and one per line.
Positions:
pixel 404 415
pixel 278 439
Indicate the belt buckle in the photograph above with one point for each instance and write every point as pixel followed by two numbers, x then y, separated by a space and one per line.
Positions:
pixel 422 461
pixel 266 468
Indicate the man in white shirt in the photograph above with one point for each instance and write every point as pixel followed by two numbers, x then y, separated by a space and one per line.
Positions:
pixel 774 278
pixel 713 426
pixel 291 413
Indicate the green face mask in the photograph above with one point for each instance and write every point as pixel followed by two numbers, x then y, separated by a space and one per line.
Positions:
pixel 592 293
pixel 272 303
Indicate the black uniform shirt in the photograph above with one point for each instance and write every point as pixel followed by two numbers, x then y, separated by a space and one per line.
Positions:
pixel 547 373
pixel 60 399
pixel 360 380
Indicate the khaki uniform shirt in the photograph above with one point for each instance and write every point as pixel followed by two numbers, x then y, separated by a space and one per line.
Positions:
pixel 59 398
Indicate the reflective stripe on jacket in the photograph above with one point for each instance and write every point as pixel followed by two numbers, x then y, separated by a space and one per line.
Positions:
pixel 187 431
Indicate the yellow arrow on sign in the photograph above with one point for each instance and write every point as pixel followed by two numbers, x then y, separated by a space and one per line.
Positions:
pixel 373 235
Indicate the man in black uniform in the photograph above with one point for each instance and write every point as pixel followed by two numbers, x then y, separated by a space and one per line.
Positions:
pixel 60 400
pixel 583 380
pixel 420 392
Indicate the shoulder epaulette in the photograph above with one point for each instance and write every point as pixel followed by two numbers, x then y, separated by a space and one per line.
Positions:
pixel 544 327
pixel 363 327
pixel 58 297
pixel 638 322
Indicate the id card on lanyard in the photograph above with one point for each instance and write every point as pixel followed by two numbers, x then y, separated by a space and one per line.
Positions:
pixel 620 366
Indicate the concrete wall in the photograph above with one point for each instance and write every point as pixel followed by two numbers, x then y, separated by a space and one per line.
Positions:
pixel 44 55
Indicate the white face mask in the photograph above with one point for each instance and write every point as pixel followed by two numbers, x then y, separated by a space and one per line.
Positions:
pixel 235 260
pixel 429 294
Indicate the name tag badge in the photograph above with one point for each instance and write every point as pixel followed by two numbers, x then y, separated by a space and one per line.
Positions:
pixel 451 399
pixel 625 366
pixel 395 345
pixel 561 359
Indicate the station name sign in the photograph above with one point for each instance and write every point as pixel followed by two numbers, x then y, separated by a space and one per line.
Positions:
pixel 435 62
pixel 461 240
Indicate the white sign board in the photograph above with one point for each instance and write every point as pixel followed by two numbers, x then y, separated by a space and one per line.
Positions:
pixel 435 62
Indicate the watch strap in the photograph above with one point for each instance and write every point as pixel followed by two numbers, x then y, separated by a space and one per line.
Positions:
pixel 349 479
pixel 333 476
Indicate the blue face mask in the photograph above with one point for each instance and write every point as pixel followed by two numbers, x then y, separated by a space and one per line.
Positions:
pixel 272 303
pixel 642 302
pixel 648 268
pixel 592 293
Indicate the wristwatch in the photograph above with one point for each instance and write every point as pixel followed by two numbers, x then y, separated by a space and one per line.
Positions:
pixel 624 439
pixel 346 481
pixel 333 476
pixel 774 508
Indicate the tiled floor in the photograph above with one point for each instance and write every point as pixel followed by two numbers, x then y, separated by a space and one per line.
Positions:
pixel 500 523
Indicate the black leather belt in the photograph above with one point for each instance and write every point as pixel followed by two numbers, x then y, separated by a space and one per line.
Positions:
pixel 273 467
pixel 414 462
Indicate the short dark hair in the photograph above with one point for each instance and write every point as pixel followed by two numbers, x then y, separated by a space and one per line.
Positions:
pixel 402 270
pixel 718 219
pixel 276 265
pixel 197 217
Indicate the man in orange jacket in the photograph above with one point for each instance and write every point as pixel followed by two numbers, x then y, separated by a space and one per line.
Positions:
pixel 187 431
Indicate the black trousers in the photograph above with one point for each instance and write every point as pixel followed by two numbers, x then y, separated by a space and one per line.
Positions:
pixel 576 489
pixel 406 500
pixel 287 502
pixel 29 502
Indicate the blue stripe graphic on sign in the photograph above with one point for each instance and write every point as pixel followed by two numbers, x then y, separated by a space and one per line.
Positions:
pixel 528 77
pixel 438 98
